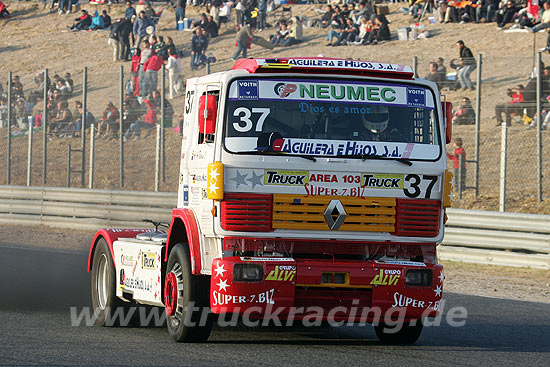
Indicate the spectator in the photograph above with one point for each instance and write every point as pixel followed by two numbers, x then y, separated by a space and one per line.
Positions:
pixel 69 81
pixel 114 40
pixel 151 68
pixel 170 45
pixel 130 10
pixel 544 21
pixel 455 157
pixel 151 14
pixel 17 87
pixel 124 34
pixel 106 19
pixel 214 10
pixel 243 38
pixel 135 70
pixel 362 12
pixel 174 74
pixel 467 65
pixel 506 15
pixel 110 119
pixel 442 71
pixel 282 37
pixel 262 15
pixel 211 27
pixel 489 7
pixel 149 121
pixel 21 113
pixel 140 27
pixel 97 22
pixel 62 118
pixel 347 34
pixel 63 88
pixel 326 18
pixel 38 93
pixel 82 22
pixel 513 107
pixel 130 115
pixel 160 48
pixel 3 112
pixel 435 76
pixel 74 127
pixel 465 114
pixel 179 6
pixel 144 56
pixel 199 44
pixel 381 31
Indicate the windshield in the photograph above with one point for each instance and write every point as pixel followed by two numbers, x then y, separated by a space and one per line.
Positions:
pixel 331 118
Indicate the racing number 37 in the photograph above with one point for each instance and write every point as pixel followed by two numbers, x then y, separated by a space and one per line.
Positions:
pixel 414 185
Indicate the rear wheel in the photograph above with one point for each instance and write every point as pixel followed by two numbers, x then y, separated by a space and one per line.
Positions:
pixel 110 310
pixel 407 334
pixel 186 299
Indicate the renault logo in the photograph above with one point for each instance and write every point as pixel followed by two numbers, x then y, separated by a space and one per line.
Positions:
pixel 335 214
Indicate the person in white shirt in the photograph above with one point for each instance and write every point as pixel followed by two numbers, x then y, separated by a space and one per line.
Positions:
pixel 544 20
pixel 174 74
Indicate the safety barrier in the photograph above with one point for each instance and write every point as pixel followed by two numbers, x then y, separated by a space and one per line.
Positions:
pixel 510 239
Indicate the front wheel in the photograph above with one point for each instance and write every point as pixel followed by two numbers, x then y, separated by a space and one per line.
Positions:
pixel 186 299
pixel 406 333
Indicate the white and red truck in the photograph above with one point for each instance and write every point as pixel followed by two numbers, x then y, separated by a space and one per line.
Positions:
pixel 305 184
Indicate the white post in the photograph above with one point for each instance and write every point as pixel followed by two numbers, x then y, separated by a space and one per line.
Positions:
pixel 29 153
pixel 503 151
pixel 92 148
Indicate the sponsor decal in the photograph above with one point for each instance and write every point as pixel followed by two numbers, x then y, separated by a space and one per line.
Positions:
pixel 345 64
pixel 387 277
pixel 287 178
pixel 266 259
pixel 148 260
pixel 400 262
pixel 200 178
pixel 225 299
pixel 382 181
pixel 400 300
pixel 284 89
pixel 136 283
pixel 185 195
pixel 198 155
pixel 248 89
pixel 416 97
pixel 339 148
pixel 127 260
pixel 284 273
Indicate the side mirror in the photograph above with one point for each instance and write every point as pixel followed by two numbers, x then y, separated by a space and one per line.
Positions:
pixel 208 110
pixel 448 113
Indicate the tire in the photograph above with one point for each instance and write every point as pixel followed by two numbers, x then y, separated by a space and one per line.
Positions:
pixel 106 304
pixel 408 334
pixel 183 290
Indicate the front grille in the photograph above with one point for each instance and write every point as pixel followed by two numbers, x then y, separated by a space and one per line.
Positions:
pixel 307 212
pixel 246 212
pixel 419 218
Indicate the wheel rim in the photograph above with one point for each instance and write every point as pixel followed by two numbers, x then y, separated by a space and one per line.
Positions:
pixel 102 279
pixel 174 295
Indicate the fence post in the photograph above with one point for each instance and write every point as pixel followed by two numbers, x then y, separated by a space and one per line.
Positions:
pixel 120 128
pixel 415 66
pixel 45 130
pixel 157 161
pixel 69 166
pixel 92 149
pixel 29 153
pixel 503 151
pixel 83 127
pixel 539 123
pixel 163 116
pixel 8 167
pixel 478 123
pixel 459 176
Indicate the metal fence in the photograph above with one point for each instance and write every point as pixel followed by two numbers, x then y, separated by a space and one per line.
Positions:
pixel 151 162
pixel 470 235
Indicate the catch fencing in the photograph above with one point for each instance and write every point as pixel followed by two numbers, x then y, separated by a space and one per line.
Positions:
pixel 471 236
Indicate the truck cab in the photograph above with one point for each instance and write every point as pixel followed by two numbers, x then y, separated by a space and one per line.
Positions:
pixel 307 186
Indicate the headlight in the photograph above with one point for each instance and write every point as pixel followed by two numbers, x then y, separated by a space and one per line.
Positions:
pixel 247 273
pixel 419 277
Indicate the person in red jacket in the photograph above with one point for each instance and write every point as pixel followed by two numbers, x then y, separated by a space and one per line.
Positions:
pixel 455 157
pixel 513 107
pixel 149 120
pixel 151 68
pixel 110 119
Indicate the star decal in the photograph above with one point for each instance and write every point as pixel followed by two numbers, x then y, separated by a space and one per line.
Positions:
pixel 239 179
pixel 255 180
pixel 438 291
pixel 441 277
pixel 220 270
pixel 223 285
pixel 214 174
pixel 213 188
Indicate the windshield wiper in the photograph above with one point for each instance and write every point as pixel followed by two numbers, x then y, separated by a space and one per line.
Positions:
pixel 364 157
pixel 262 152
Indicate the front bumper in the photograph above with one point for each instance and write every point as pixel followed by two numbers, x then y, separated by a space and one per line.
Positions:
pixel 338 290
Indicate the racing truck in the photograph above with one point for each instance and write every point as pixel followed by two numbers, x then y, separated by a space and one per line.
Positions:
pixel 308 187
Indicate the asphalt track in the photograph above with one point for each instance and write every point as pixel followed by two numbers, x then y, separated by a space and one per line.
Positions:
pixel 38 286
